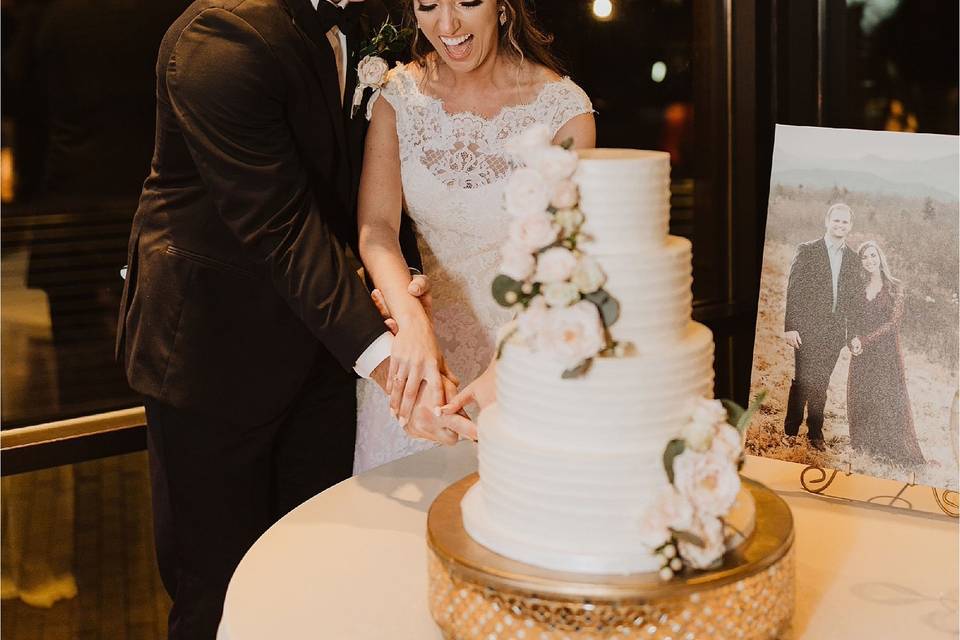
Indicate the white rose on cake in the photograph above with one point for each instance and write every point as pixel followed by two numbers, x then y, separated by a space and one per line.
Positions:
pixel 710 532
pixel 708 411
pixel 526 193
pixel 555 163
pixel 526 145
pixel 560 294
pixel 671 511
pixel 555 265
pixel 727 442
pixel 517 262
pixel 587 274
pixel 565 195
pixel 573 334
pixel 534 231
pixel 708 480
pixel 533 321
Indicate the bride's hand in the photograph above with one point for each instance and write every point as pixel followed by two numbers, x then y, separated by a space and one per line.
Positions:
pixel 413 360
pixel 482 392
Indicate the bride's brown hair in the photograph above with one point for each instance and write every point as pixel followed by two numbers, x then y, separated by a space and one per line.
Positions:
pixel 519 35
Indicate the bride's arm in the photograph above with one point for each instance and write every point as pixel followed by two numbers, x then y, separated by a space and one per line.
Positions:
pixel 582 129
pixel 415 352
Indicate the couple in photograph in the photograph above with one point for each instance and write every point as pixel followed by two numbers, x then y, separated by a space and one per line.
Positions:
pixel 836 298
pixel 243 323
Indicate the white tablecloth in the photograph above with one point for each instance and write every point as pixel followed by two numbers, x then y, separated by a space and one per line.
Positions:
pixel 350 563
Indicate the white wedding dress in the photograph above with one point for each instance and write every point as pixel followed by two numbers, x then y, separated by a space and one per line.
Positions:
pixel 454 169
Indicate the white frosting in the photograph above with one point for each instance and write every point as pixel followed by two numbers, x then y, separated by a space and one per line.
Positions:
pixel 568 466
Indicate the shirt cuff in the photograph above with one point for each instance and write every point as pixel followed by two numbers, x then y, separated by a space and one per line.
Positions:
pixel 376 353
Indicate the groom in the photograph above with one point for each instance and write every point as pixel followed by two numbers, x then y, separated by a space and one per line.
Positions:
pixel 241 320
pixel 823 278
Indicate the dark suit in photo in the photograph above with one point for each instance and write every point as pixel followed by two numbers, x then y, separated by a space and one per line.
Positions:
pixel 242 316
pixel 821 319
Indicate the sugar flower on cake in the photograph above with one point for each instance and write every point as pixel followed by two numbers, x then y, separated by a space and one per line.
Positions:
pixel 555 264
pixel 708 480
pixel 702 468
pixel 516 261
pixel 527 193
pixel 572 334
pixel 545 275
pixel 534 231
pixel 565 195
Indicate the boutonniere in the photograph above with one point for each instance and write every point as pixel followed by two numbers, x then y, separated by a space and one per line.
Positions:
pixel 372 70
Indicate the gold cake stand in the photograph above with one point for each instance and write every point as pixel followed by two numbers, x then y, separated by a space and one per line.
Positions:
pixel 476 594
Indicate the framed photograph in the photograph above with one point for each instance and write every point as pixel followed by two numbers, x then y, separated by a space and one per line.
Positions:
pixel 857 327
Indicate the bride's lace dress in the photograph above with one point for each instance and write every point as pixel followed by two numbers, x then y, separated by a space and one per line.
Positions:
pixel 454 168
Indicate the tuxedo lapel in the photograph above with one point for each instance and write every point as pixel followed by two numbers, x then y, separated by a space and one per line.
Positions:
pixel 314 33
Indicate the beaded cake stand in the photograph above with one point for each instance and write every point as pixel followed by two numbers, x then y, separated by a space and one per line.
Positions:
pixel 477 594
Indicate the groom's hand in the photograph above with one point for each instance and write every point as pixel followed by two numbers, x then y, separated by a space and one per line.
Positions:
pixel 793 339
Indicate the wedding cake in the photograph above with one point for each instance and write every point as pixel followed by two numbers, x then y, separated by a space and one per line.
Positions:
pixel 571 456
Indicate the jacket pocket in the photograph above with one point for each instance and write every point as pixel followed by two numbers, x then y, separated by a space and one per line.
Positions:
pixel 206 261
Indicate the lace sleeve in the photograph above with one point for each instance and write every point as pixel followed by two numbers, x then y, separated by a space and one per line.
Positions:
pixel 567 100
pixel 892 323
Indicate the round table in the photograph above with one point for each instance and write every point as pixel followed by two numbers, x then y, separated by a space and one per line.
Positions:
pixel 350 563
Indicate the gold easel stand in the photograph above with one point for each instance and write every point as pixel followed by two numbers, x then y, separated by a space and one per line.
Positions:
pixel 476 594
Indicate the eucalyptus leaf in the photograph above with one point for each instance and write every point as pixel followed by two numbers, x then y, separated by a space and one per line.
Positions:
pixel 674 448
pixel 686 536
pixel 734 411
pixel 577 371
pixel 607 304
pixel 503 285
pixel 747 416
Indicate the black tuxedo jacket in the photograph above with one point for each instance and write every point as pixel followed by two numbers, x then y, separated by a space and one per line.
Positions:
pixel 238 286
pixel 810 292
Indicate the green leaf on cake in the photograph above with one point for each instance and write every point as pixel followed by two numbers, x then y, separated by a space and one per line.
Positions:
pixel 674 448
pixel 504 340
pixel 734 411
pixel 567 144
pixel 502 287
pixel 740 417
pixel 577 371
pixel 607 304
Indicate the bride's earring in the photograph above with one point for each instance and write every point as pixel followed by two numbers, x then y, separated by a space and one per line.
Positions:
pixel 503 15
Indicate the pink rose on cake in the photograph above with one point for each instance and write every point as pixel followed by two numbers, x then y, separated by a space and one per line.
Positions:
pixel 572 334
pixel 565 195
pixel 534 231
pixel 569 220
pixel 526 193
pixel 516 261
pixel 708 480
pixel 560 294
pixel 727 443
pixel 671 511
pixel 555 265
pixel 555 163
pixel 529 143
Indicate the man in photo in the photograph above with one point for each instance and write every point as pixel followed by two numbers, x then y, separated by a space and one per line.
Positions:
pixel 823 277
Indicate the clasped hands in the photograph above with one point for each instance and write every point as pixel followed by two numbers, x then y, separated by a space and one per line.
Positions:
pixel 416 377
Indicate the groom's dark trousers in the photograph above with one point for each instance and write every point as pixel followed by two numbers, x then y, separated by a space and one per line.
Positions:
pixel 821 322
pixel 241 317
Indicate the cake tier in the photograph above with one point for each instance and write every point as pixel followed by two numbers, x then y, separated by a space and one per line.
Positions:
pixel 636 401
pixel 625 196
pixel 653 289
pixel 568 467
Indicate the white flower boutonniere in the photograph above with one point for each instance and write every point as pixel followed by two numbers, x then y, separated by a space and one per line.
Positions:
pixel 389 40
pixel 371 74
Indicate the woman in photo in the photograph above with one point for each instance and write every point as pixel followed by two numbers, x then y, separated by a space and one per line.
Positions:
pixel 878 405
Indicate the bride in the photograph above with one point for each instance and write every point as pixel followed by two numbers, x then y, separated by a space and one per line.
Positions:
pixel 482 74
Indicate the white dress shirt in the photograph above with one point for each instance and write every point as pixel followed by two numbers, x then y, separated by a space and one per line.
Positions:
pixel 835 253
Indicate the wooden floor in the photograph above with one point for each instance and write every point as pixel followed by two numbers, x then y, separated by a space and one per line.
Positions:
pixel 119 593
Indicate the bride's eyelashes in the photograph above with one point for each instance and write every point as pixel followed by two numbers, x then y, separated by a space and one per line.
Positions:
pixel 469 4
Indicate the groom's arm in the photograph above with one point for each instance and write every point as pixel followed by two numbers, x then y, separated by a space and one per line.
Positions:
pixel 226 89
pixel 794 287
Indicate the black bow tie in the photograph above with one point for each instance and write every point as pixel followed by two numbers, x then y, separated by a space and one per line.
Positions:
pixel 346 18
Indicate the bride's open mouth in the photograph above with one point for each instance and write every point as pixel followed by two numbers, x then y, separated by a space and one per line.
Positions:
pixel 458 48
